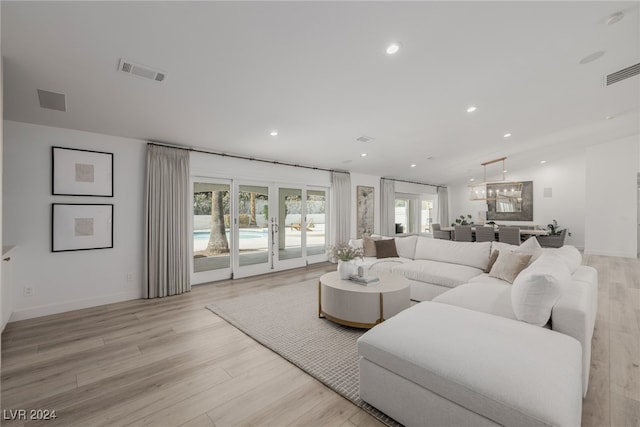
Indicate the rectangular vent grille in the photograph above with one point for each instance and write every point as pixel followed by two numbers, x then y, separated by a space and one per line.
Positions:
pixel 52 100
pixel 141 71
pixel 625 73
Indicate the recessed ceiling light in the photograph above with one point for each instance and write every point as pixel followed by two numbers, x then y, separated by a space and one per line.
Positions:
pixel 614 18
pixel 505 171
pixel 393 48
pixel 273 133
pixel 471 109
pixel 363 155
pixel 610 117
pixel 507 135
pixel 592 57
pixel 413 165
pixel 542 162
pixel 472 179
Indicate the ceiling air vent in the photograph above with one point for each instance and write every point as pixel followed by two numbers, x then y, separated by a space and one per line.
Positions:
pixel 364 138
pixel 625 73
pixel 141 71
pixel 52 100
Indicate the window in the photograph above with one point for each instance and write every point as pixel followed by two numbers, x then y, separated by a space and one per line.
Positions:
pixel 414 213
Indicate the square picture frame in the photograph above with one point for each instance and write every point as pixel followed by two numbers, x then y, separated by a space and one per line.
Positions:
pixel 77 172
pixel 81 227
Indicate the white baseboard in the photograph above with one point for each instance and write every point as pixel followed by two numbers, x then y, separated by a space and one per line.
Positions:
pixel 45 310
pixel 620 254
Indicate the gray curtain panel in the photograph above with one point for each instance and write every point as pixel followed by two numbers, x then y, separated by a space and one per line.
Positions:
pixel 167 208
pixel 443 206
pixel 387 207
pixel 340 207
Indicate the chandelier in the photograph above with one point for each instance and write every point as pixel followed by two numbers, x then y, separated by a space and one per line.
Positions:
pixel 497 190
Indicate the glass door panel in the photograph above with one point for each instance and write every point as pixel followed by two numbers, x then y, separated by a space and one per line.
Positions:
pixel 316 222
pixel 291 224
pixel 211 242
pixel 252 226
pixel 426 216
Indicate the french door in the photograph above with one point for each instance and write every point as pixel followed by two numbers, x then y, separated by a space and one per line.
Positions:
pixel 212 244
pixel 267 227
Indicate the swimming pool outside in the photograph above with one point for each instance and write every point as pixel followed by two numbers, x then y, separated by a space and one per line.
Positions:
pixel 258 238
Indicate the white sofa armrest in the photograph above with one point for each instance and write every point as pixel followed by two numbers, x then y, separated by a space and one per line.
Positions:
pixel 574 315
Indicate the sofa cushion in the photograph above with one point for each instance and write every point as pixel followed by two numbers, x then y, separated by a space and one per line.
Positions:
pixel 386 248
pixel 406 246
pixel 356 243
pixel 473 254
pixel 530 246
pixel 438 273
pixel 571 257
pixel 510 372
pixel 537 288
pixel 492 260
pixel 369 245
pixel 508 265
pixel 492 297
pixel 383 265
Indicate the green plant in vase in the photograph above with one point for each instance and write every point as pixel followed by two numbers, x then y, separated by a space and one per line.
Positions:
pixel 463 220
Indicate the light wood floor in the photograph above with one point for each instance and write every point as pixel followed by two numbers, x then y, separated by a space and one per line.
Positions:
pixel 170 362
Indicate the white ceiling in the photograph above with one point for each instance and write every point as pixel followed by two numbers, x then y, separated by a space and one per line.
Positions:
pixel 318 72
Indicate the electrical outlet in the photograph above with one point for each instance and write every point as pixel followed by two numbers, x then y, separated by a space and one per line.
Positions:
pixel 129 277
pixel 28 291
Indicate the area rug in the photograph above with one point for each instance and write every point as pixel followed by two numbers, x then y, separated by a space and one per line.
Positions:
pixel 285 320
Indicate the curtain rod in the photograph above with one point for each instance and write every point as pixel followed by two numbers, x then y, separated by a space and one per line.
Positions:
pixel 237 156
pixel 415 182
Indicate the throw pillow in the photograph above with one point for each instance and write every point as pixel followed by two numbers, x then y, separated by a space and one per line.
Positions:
pixel 508 265
pixel 492 260
pixel 368 243
pixel 386 248
pixel 531 246
pixel 536 290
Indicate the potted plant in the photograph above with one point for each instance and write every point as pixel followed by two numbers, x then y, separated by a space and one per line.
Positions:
pixel 556 236
pixel 345 256
pixel 463 220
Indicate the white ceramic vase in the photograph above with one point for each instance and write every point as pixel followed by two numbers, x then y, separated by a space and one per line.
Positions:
pixel 346 269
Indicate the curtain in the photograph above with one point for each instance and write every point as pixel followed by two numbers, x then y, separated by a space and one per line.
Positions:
pixel 387 207
pixel 167 236
pixel 340 207
pixel 443 206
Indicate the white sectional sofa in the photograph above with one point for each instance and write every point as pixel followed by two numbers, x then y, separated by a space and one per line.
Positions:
pixel 480 350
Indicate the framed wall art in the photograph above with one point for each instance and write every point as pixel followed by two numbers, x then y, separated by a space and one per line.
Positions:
pixel 365 210
pixel 508 207
pixel 80 227
pixel 78 172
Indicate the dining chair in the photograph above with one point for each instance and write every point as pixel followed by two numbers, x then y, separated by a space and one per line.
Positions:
pixel 462 233
pixel 485 234
pixel 510 235
pixel 438 233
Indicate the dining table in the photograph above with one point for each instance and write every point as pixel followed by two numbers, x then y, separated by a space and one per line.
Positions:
pixel 523 231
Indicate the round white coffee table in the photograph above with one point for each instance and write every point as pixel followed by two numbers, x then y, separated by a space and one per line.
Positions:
pixel 359 306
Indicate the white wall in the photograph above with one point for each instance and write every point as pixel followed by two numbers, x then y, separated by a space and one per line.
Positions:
pixel 65 281
pixel 565 177
pixel 612 204
pixel 368 181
